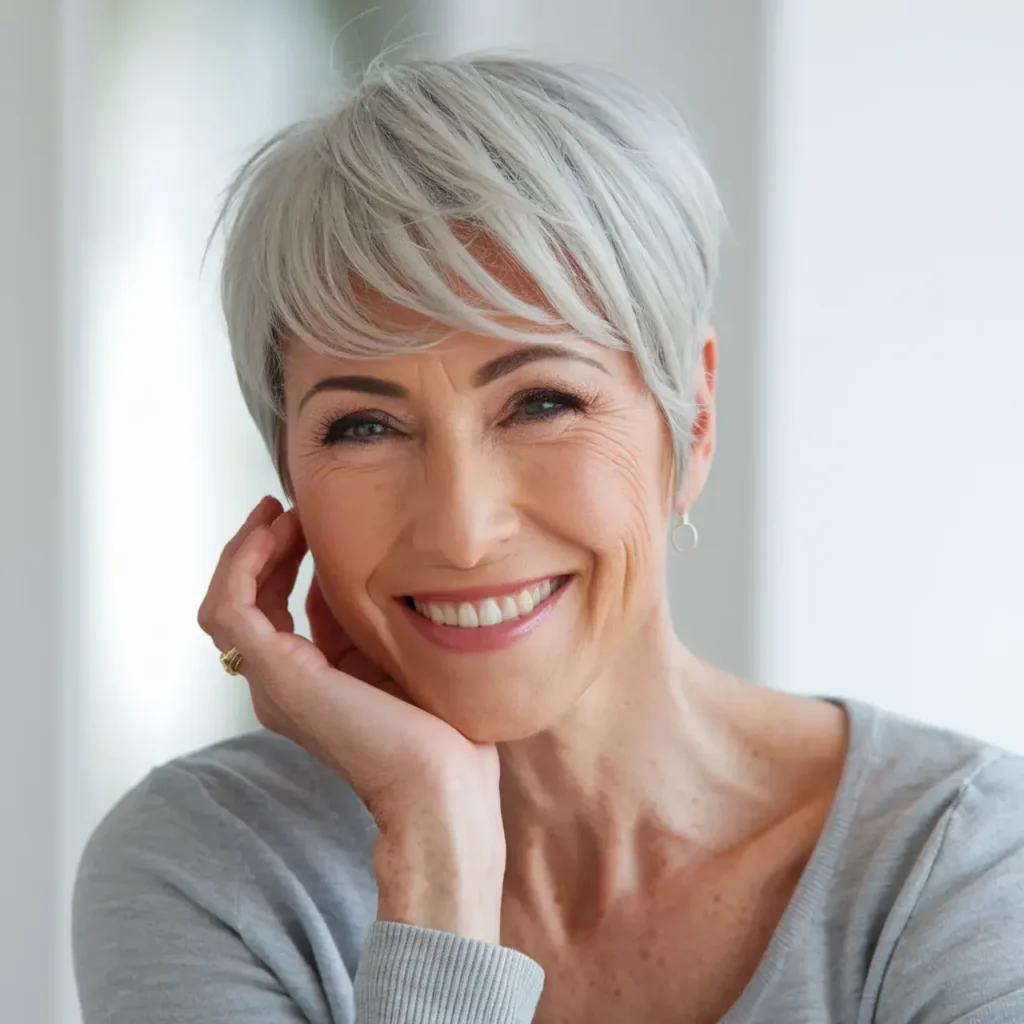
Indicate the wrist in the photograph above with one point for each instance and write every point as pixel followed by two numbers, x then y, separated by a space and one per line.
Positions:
pixel 444 885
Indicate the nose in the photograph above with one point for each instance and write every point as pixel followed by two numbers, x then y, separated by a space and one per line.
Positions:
pixel 466 509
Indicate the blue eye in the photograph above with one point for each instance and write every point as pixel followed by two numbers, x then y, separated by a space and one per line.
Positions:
pixel 365 431
pixel 540 407
pixel 545 405
pixel 355 429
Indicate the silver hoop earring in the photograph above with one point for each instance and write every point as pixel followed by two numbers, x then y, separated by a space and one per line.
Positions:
pixel 684 522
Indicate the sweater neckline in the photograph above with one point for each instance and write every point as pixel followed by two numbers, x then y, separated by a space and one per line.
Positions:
pixel 822 863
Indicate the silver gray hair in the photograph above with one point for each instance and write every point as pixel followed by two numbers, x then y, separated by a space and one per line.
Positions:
pixel 594 187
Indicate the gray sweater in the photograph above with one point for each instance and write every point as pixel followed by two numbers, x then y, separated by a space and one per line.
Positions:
pixel 234 886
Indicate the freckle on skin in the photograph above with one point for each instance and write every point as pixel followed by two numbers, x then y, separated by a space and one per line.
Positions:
pixel 717 897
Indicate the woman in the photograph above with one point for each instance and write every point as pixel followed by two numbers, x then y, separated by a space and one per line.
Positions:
pixel 468 309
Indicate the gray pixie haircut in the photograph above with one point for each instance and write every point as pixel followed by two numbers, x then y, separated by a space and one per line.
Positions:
pixel 594 187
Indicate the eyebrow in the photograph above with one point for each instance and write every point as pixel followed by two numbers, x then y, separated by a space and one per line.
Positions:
pixel 364 385
pixel 527 353
pixel 486 374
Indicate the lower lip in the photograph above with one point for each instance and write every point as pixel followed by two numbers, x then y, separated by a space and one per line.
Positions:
pixel 485 638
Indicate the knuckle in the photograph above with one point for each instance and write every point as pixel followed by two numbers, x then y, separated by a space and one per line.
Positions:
pixel 204 618
pixel 222 618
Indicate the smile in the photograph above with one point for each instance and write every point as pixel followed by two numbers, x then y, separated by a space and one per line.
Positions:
pixel 477 621
pixel 490 611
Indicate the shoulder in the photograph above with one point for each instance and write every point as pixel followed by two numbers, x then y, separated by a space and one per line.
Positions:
pixel 933 869
pixel 906 779
pixel 238 879
pixel 220 820
pixel 258 780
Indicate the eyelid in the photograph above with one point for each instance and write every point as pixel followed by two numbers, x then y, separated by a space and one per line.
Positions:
pixel 329 420
pixel 586 397
pixel 574 394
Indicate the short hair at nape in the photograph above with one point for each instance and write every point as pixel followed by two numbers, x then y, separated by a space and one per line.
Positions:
pixel 593 186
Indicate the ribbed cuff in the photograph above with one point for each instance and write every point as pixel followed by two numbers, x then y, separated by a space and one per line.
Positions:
pixel 413 975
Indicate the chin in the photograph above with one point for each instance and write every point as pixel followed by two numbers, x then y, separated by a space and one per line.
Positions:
pixel 499 697
pixel 502 710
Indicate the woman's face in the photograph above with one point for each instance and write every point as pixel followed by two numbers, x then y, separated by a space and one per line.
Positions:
pixel 444 492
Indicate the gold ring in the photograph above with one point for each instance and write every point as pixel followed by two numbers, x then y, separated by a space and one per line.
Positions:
pixel 232 661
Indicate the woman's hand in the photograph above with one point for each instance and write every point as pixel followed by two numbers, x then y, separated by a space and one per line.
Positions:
pixel 440 852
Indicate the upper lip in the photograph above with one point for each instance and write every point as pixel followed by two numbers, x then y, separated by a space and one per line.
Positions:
pixel 481 592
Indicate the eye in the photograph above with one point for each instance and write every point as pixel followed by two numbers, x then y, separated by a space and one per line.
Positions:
pixel 356 428
pixel 543 404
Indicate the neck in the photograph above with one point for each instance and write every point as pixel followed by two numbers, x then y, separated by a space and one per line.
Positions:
pixel 656 768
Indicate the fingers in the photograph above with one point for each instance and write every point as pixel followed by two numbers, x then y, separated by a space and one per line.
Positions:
pixel 276 580
pixel 339 649
pixel 271 655
pixel 266 511
pixel 289 550
pixel 211 611
pixel 237 617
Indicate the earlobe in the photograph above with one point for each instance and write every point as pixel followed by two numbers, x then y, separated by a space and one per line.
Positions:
pixel 702 447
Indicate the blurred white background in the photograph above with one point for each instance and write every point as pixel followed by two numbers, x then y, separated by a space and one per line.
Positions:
pixel 862 532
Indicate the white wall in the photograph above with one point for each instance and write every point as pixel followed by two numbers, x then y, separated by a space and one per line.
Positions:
pixel 894 416
pixel 30 425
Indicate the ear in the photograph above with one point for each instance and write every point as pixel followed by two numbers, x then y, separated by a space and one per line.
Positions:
pixel 702 445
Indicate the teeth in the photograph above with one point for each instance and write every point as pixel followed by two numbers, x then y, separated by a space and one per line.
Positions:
pixel 489 613
pixel 492 611
pixel 468 618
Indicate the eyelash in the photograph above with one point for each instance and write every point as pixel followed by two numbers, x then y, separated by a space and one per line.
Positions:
pixel 329 431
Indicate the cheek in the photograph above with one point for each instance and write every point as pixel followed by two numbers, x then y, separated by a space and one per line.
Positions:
pixel 601 486
pixel 345 516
